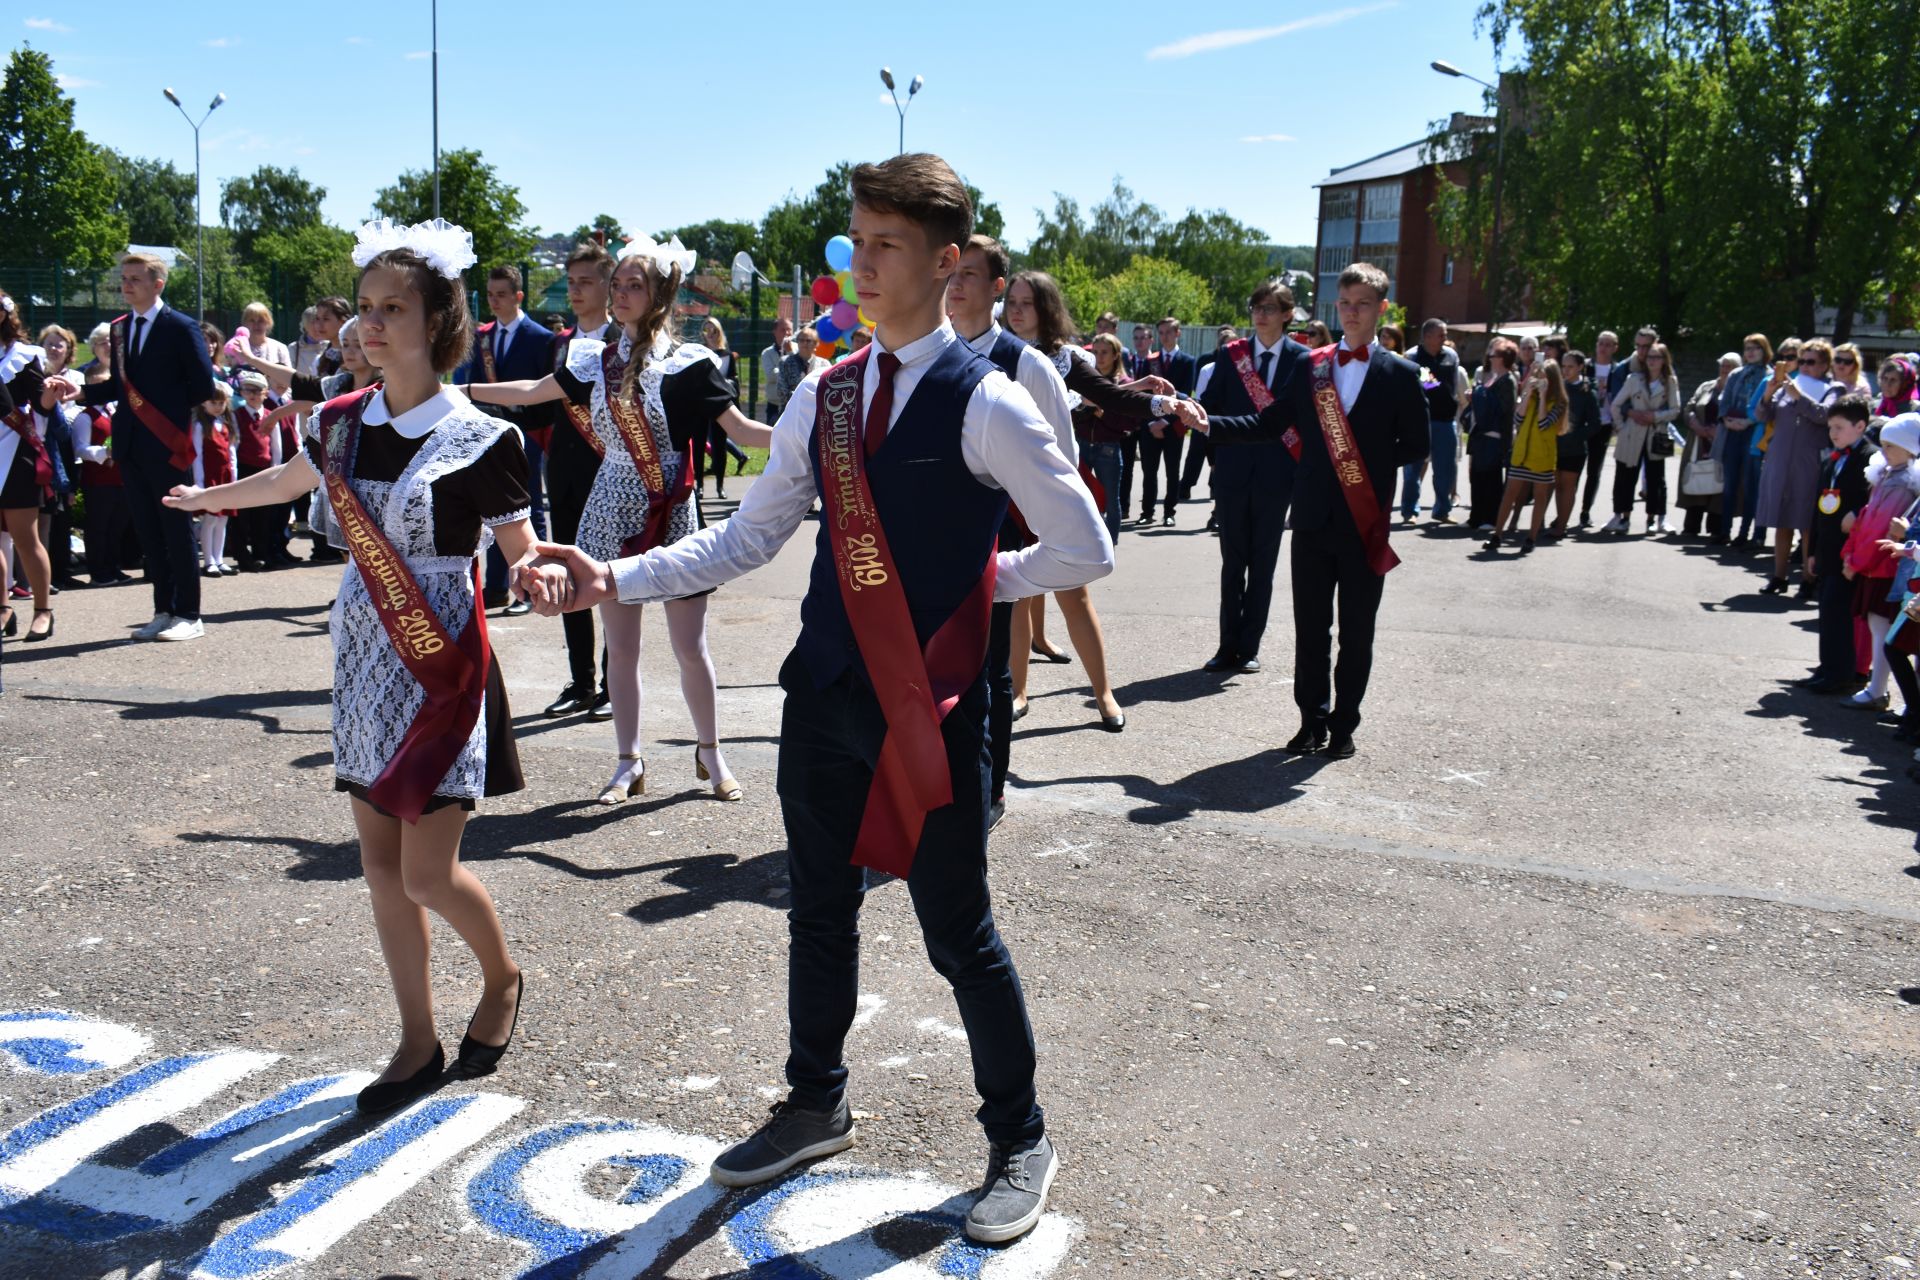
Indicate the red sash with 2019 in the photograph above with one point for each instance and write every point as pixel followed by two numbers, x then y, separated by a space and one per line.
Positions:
pixel 452 672
pixel 1349 468
pixel 916 687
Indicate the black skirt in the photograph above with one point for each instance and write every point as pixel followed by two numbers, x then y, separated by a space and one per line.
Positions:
pixel 21 489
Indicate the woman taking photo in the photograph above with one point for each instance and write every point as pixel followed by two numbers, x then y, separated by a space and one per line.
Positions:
pixel 1648 403
pixel 1036 312
pixel 421 727
pixel 652 398
pixel 1537 427
pixel 1794 403
pixel 26 466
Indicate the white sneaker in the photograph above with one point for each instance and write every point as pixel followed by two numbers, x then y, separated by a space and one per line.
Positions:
pixel 161 621
pixel 1615 525
pixel 183 629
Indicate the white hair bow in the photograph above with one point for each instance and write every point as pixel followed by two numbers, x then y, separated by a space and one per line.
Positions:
pixel 447 248
pixel 665 256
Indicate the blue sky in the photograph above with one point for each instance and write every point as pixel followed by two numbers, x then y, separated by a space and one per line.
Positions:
pixel 667 117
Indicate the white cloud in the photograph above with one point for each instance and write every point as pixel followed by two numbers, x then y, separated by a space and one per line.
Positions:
pixel 1269 137
pixel 75 82
pixel 221 42
pixel 419 55
pixel 1214 41
pixel 46 24
pixel 358 40
pixel 886 99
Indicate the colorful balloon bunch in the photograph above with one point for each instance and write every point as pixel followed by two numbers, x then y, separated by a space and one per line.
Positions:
pixel 838 295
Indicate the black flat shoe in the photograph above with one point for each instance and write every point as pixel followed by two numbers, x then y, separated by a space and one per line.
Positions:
pixel 1050 655
pixel 476 1059
pixel 1310 739
pixel 1774 587
pixel 1020 712
pixel 1113 724
pixel 378 1099
pixel 1526 548
pixel 12 628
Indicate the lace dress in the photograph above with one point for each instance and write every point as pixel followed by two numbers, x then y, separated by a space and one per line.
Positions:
pixel 436 479
pixel 681 389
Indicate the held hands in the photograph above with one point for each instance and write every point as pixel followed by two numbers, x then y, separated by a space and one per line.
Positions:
pixel 563 579
pixel 1191 415
pixel 185 497
pixel 1153 384
pixel 57 391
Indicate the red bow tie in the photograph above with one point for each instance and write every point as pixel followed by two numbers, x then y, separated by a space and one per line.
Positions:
pixel 1346 355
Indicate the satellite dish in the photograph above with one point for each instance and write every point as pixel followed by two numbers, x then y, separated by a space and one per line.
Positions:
pixel 743 270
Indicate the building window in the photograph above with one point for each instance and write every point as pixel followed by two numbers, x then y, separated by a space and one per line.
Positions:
pixel 1446 271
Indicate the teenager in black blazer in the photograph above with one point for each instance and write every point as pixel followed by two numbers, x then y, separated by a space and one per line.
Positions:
pixel 163 353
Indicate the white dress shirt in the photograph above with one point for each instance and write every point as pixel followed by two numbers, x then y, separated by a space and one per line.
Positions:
pixel 502 335
pixel 1602 375
pixel 1348 377
pixel 1039 379
pixel 146 330
pixel 1259 348
pixel 1003 440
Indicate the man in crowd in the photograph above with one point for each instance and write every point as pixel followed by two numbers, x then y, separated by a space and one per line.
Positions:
pixel 802 364
pixel 779 349
pixel 1160 450
pixel 513 346
pixel 1439 368
pixel 1609 375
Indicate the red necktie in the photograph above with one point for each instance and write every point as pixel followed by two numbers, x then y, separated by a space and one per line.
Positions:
pixel 1346 355
pixel 882 407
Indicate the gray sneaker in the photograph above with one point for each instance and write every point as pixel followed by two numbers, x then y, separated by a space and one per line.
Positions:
pixel 1014 1194
pixel 792 1135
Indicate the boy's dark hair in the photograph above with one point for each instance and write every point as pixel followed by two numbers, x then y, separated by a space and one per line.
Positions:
pixel 922 187
pixel 999 262
pixel 1367 274
pixel 594 252
pixel 1275 289
pixel 1854 408
pixel 449 324
pixel 511 274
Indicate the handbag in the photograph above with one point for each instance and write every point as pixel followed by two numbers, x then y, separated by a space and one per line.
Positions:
pixel 1703 478
pixel 1660 443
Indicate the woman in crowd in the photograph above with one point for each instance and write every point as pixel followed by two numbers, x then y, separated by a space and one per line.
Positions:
pixel 415 463
pixel 1393 338
pixel 1538 425
pixel 1794 405
pixel 719 445
pixel 1898 382
pixel 1850 373
pixel 1490 433
pixel 1101 435
pixel 1648 404
pixel 259 347
pixel 1583 419
pixel 651 399
pixel 1703 428
pixel 1036 312
pixel 1733 443
pixel 66 430
pixel 1316 335
pixel 109 527
pixel 26 466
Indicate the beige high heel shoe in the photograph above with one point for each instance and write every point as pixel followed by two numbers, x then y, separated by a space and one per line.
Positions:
pixel 614 793
pixel 723 789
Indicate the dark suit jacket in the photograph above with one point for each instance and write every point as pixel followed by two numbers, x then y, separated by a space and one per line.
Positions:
pixel 1230 416
pixel 172 370
pixel 1181 370
pixel 1390 426
pixel 529 356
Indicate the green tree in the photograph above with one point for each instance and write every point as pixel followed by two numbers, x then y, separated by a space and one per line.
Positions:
pixel 1086 294
pixel 795 231
pixel 155 198
pixel 718 239
pixel 604 223
pixel 56 195
pixel 307 262
pixel 1225 252
pixel 987 218
pixel 471 195
pixel 1148 288
pixel 268 199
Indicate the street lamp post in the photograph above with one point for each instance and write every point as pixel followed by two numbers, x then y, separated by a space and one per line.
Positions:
pixel 199 220
pixel 436 108
pixel 886 78
pixel 1499 173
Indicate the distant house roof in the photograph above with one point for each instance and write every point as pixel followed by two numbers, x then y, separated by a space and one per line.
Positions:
pixel 1415 155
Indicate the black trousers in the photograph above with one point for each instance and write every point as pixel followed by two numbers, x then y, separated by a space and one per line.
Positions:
pixel 568 483
pixel 1159 456
pixel 1129 455
pixel 1199 454
pixel 106 528
pixel 1252 486
pixel 1596 464
pixel 1000 697
pixel 60 543
pixel 1486 485
pixel 167 544
pixel 1838 660
pixel 1625 478
pixel 829 742
pixel 1329 568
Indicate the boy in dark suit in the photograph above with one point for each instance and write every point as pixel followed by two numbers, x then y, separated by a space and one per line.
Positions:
pixel 160 372
pixel 1160 444
pixel 510 347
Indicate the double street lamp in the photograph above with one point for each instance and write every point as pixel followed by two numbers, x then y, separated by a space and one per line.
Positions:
pixel 1499 171
pixel 199 219
pixel 886 78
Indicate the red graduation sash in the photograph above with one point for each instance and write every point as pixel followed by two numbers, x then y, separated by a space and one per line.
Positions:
pixel 579 415
pixel 916 688
pixel 1240 351
pixel 1349 468
pixel 484 337
pixel 22 423
pixel 631 421
pixel 453 672
pixel 179 443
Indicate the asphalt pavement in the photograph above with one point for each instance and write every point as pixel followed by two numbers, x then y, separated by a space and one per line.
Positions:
pixel 1597 959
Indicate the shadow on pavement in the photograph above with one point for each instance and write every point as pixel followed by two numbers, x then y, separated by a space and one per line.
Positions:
pixel 1180 686
pixel 225 706
pixel 1252 785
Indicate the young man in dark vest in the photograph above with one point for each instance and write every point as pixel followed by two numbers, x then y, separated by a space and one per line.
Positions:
pixel 510 347
pixel 573 459
pixel 914 446
pixel 1361 416
pixel 976 283
pixel 1252 473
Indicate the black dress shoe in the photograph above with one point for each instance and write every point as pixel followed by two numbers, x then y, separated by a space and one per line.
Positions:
pixel 996 811
pixel 570 702
pixel 378 1099
pixel 1247 666
pixel 1310 739
pixel 1167 520
pixel 1829 686
pixel 519 608
pixel 1339 747
pixel 1054 655
pixel 602 708
pixel 488 599
pixel 1020 712
pixel 1222 661
pixel 477 1059
pixel 1113 724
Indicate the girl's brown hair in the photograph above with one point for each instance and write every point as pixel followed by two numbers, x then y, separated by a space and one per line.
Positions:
pixel 9 320
pixel 1109 342
pixel 664 292
pixel 1054 324
pixel 449 323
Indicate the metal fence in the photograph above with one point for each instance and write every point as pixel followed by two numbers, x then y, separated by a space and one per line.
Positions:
pixel 79 299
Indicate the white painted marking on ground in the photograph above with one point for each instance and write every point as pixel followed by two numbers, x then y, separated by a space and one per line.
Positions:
pixel 867 1008
pixel 1454 775
pixel 696 1084
pixel 934 1026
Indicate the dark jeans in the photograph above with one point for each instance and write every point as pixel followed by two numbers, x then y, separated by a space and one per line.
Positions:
pixel 1838 659
pixel 1736 463
pixel 1329 566
pixel 1443 443
pixel 1106 463
pixel 1903 676
pixel 1626 477
pixel 537 509
pixel 1159 456
pixel 1596 464
pixel 1129 455
pixel 568 486
pixel 106 527
pixel 167 544
pixel 829 743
